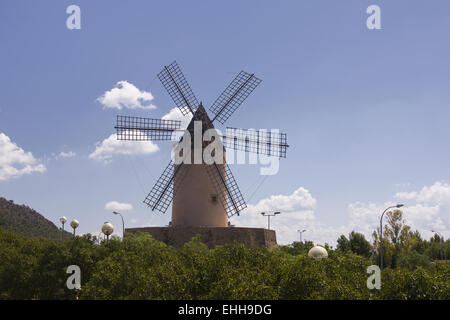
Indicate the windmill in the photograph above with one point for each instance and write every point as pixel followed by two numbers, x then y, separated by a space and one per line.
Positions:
pixel 202 195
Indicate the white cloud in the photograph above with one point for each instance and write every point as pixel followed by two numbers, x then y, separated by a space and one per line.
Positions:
pixel 114 205
pixel 14 161
pixel 111 146
pixel 297 211
pixel 424 210
pixel 299 200
pixel 438 193
pixel 406 195
pixel 423 217
pixel 63 154
pixel 365 218
pixel 317 232
pixel 431 207
pixel 175 114
pixel 126 95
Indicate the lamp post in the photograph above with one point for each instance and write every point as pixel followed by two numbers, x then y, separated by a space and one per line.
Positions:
pixel 62 220
pixel 300 232
pixel 268 217
pixel 107 229
pixel 381 232
pixel 74 224
pixel 123 224
pixel 442 242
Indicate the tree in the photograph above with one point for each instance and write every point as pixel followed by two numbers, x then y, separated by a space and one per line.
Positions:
pixel 359 245
pixel 343 244
pixel 413 259
pixel 140 267
pixel 355 243
pixel 297 247
pixel 397 232
pixel 396 238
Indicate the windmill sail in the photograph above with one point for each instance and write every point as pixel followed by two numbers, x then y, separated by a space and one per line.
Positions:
pixel 234 95
pixel 161 195
pixel 271 143
pixel 227 189
pixel 145 129
pixel 178 88
pixel 222 185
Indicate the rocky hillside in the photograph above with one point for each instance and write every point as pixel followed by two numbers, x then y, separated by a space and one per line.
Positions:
pixel 24 220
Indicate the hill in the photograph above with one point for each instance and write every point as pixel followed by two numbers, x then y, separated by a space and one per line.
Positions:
pixel 25 220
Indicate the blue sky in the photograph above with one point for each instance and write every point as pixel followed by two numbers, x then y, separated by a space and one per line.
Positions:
pixel 366 111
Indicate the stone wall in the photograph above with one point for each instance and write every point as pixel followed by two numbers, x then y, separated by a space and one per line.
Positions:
pixel 211 236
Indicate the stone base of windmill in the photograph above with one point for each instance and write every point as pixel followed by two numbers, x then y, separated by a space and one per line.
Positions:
pixel 211 236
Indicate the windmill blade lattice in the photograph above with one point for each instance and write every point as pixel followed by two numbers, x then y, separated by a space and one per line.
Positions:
pixel 233 96
pixel 161 195
pixel 221 179
pixel 266 142
pixel 178 88
pixel 227 189
pixel 145 129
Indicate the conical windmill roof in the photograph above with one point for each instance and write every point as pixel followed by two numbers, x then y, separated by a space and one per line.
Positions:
pixel 200 115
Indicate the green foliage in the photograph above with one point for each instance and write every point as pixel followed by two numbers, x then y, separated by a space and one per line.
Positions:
pixel 139 267
pixel 420 284
pixel 23 219
pixel 398 235
pixel 297 248
pixel 343 244
pixel 356 243
pixel 413 260
pixel 359 245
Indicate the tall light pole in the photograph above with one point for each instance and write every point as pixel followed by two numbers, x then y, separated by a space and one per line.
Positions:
pixel 62 220
pixel 74 224
pixel 442 242
pixel 300 232
pixel 123 224
pixel 107 229
pixel 381 232
pixel 268 217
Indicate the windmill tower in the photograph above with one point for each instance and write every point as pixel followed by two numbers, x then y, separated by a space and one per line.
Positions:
pixel 202 194
pixel 188 208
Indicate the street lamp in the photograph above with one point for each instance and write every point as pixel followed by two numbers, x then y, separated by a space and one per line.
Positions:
pixel 300 232
pixel 107 229
pixel 123 224
pixel 268 217
pixel 74 224
pixel 381 232
pixel 442 242
pixel 62 220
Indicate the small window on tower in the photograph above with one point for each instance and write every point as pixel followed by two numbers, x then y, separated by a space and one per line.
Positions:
pixel 214 198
